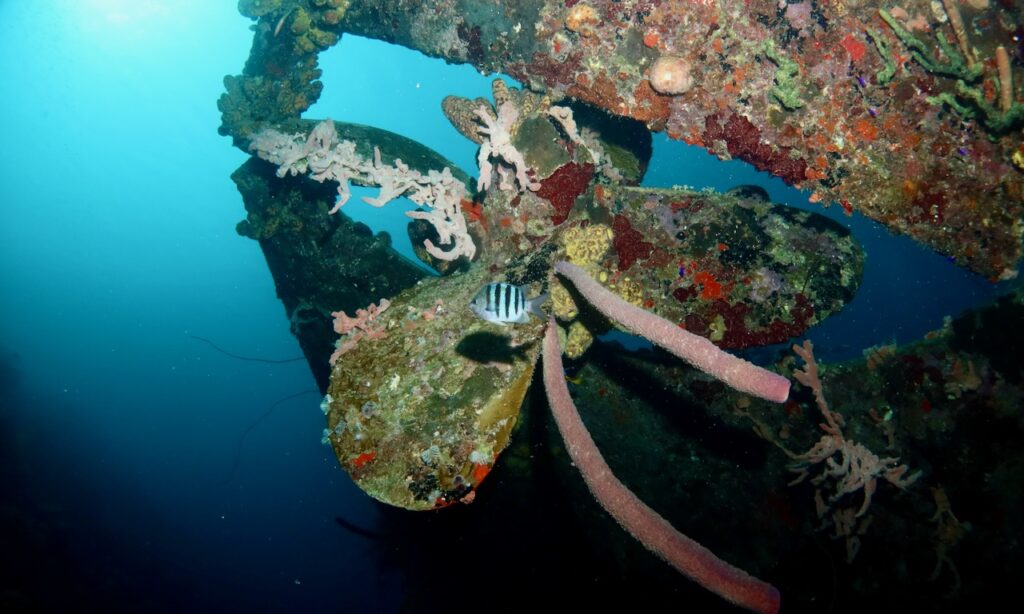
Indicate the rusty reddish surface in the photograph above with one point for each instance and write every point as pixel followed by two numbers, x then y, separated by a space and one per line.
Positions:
pixel 847 134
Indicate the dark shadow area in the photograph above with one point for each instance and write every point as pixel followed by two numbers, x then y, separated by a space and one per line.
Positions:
pixel 527 542
pixel 488 347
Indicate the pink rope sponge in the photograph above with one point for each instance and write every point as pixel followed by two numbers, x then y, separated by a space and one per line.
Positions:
pixel 649 528
pixel 694 349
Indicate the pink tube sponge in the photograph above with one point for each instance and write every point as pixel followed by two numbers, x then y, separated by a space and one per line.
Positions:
pixel 636 517
pixel 694 349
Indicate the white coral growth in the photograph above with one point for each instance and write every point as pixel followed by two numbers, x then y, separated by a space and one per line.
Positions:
pixel 498 144
pixel 586 139
pixel 327 158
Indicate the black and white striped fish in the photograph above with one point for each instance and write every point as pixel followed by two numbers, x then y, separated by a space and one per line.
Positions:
pixel 501 303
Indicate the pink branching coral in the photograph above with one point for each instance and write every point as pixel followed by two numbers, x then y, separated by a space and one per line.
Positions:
pixel 849 465
pixel 363 326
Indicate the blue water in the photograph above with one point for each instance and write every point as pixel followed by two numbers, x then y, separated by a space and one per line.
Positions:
pixel 118 429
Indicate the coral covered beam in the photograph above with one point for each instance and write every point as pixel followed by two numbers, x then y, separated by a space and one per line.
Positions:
pixel 694 349
pixel 636 517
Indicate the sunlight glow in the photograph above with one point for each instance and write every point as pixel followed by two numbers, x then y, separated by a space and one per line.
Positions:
pixel 115 23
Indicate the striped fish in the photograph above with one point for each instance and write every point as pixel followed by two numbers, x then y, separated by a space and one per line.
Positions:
pixel 501 303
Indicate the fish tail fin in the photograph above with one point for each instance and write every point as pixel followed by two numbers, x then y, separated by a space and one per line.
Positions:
pixel 533 306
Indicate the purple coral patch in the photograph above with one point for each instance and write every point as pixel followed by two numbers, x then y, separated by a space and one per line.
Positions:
pixel 743 140
pixel 629 243
pixel 564 186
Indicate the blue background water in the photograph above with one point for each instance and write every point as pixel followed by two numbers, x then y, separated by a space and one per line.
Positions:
pixel 119 430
